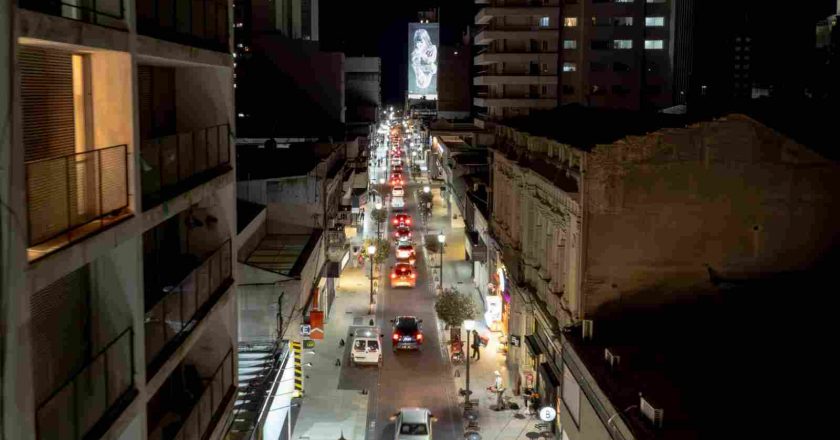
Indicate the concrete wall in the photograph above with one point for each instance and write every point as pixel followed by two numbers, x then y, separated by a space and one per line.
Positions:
pixel 206 88
pixel 732 194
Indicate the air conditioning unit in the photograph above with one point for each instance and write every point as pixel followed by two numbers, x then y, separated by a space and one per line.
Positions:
pixel 588 327
pixel 611 358
pixel 654 415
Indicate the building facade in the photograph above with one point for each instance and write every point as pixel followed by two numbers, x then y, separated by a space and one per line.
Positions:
pixel 624 216
pixel 363 93
pixel 119 310
pixel 516 66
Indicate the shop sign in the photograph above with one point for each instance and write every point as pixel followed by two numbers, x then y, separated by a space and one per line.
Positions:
pixel 515 340
pixel 547 414
pixel 316 319
pixel 305 329
pixel 308 343
pixel 494 308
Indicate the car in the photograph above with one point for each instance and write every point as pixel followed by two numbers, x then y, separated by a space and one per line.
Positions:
pixel 405 254
pixel 407 333
pixel 397 203
pixel 413 424
pixel 397 191
pixel 396 179
pixel 402 234
pixel 396 160
pixel 397 169
pixel 401 219
pixel 367 346
pixel 403 275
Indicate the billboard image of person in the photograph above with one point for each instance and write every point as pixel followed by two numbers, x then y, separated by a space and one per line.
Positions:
pixel 422 60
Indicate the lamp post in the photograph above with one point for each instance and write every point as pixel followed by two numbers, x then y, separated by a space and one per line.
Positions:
pixel 378 208
pixel 371 251
pixel 469 325
pixel 441 240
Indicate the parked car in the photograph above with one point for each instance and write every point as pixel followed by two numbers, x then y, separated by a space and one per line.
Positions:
pixel 367 347
pixel 402 234
pixel 403 275
pixel 397 202
pixel 407 333
pixel 413 424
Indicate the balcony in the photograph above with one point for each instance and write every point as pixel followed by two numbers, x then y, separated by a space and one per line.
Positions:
pixel 486 58
pixel 73 196
pixel 171 317
pixel 108 13
pixel 198 23
pixel 489 79
pixel 486 14
pixel 516 33
pixel 191 404
pixel 177 163
pixel 92 399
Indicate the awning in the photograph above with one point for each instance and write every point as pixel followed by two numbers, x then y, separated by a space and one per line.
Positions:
pixel 548 375
pixel 533 345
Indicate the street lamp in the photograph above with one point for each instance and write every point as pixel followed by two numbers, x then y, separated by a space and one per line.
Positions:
pixel 441 240
pixel 469 326
pixel 426 189
pixel 371 251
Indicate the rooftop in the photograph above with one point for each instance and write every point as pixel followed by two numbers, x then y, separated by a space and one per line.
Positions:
pixel 255 162
pixel 285 254
pixel 729 360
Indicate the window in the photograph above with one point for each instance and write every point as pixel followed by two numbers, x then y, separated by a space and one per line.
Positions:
pixel 413 429
pixel 654 44
pixel 622 44
pixel 653 89
pixel 654 21
pixel 544 90
pixel 569 67
pixel 545 46
pixel 624 1
pixel 599 44
pixel 544 68
pixel 622 21
pixel 571 394
pixel 569 21
pixel 597 90
pixel 654 1
pixel 569 44
pixel 597 67
pixel 544 21
pixel 621 67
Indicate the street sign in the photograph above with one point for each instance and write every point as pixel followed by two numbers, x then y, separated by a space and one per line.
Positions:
pixel 305 329
pixel 515 341
pixel 547 413
pixel 308 343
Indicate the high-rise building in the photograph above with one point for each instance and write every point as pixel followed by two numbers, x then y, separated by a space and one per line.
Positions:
pixel 516 67
pixel 117 188
pixel 363 92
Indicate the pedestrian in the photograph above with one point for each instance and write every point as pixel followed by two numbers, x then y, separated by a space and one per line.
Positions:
pixel 476 346
pixel 498 381
pixel 535 402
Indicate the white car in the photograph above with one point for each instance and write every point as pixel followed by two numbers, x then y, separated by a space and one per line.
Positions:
pixel 398 191
pixel 367 347
pixel 413 424
pixel 397 202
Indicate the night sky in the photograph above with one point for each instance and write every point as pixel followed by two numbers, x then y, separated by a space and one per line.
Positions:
pixel 380 28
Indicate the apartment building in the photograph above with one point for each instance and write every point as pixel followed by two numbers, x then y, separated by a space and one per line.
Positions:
pixel 118 192
pixel 363 93
pixel 593 207
pixel 516 66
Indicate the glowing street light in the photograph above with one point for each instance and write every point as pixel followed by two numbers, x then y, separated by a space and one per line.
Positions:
pixel 427 189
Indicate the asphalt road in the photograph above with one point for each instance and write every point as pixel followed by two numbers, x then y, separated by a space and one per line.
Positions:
pixel 408 378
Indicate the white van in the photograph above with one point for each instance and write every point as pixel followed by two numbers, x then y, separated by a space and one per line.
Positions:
pixel 367 347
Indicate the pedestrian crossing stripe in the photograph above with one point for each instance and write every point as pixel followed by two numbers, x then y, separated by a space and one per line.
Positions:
pixel 298 353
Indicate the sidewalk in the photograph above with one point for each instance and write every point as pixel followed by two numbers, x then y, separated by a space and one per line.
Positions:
pixel 457 273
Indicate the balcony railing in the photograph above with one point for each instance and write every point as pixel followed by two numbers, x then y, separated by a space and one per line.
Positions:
pixel 110 13
pixel 174 164
pixel 199 23
pixel 87 404
pixel 71 196
pixel 207 410
pixel 175 315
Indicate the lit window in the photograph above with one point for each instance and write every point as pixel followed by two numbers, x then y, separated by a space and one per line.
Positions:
pixel 569 44
pixel 544 22
pixel 654 21
pixel 569 21
pixel 622 44
pixel 569 67
pixel 655 1
pixel 654 44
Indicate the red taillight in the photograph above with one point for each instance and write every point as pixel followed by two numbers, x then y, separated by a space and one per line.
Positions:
pixel 393 275
pixel 395 221
pixel 413 276
pixel 408 221
pixel 396 337
pixel 419 336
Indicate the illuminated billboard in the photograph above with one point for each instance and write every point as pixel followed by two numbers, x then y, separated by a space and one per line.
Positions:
pixel 423 40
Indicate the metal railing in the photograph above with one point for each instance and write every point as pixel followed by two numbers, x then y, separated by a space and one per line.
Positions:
pixel 109 13
pixel 175 314
pixel 172 164
pixel 102 387
pixel 199 23
pixel 197 424
pixel 65 192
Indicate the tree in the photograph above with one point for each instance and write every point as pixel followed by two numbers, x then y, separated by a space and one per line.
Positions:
pixel 383 249
pixel 426 197
pixel 379 215
pixel 454 307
